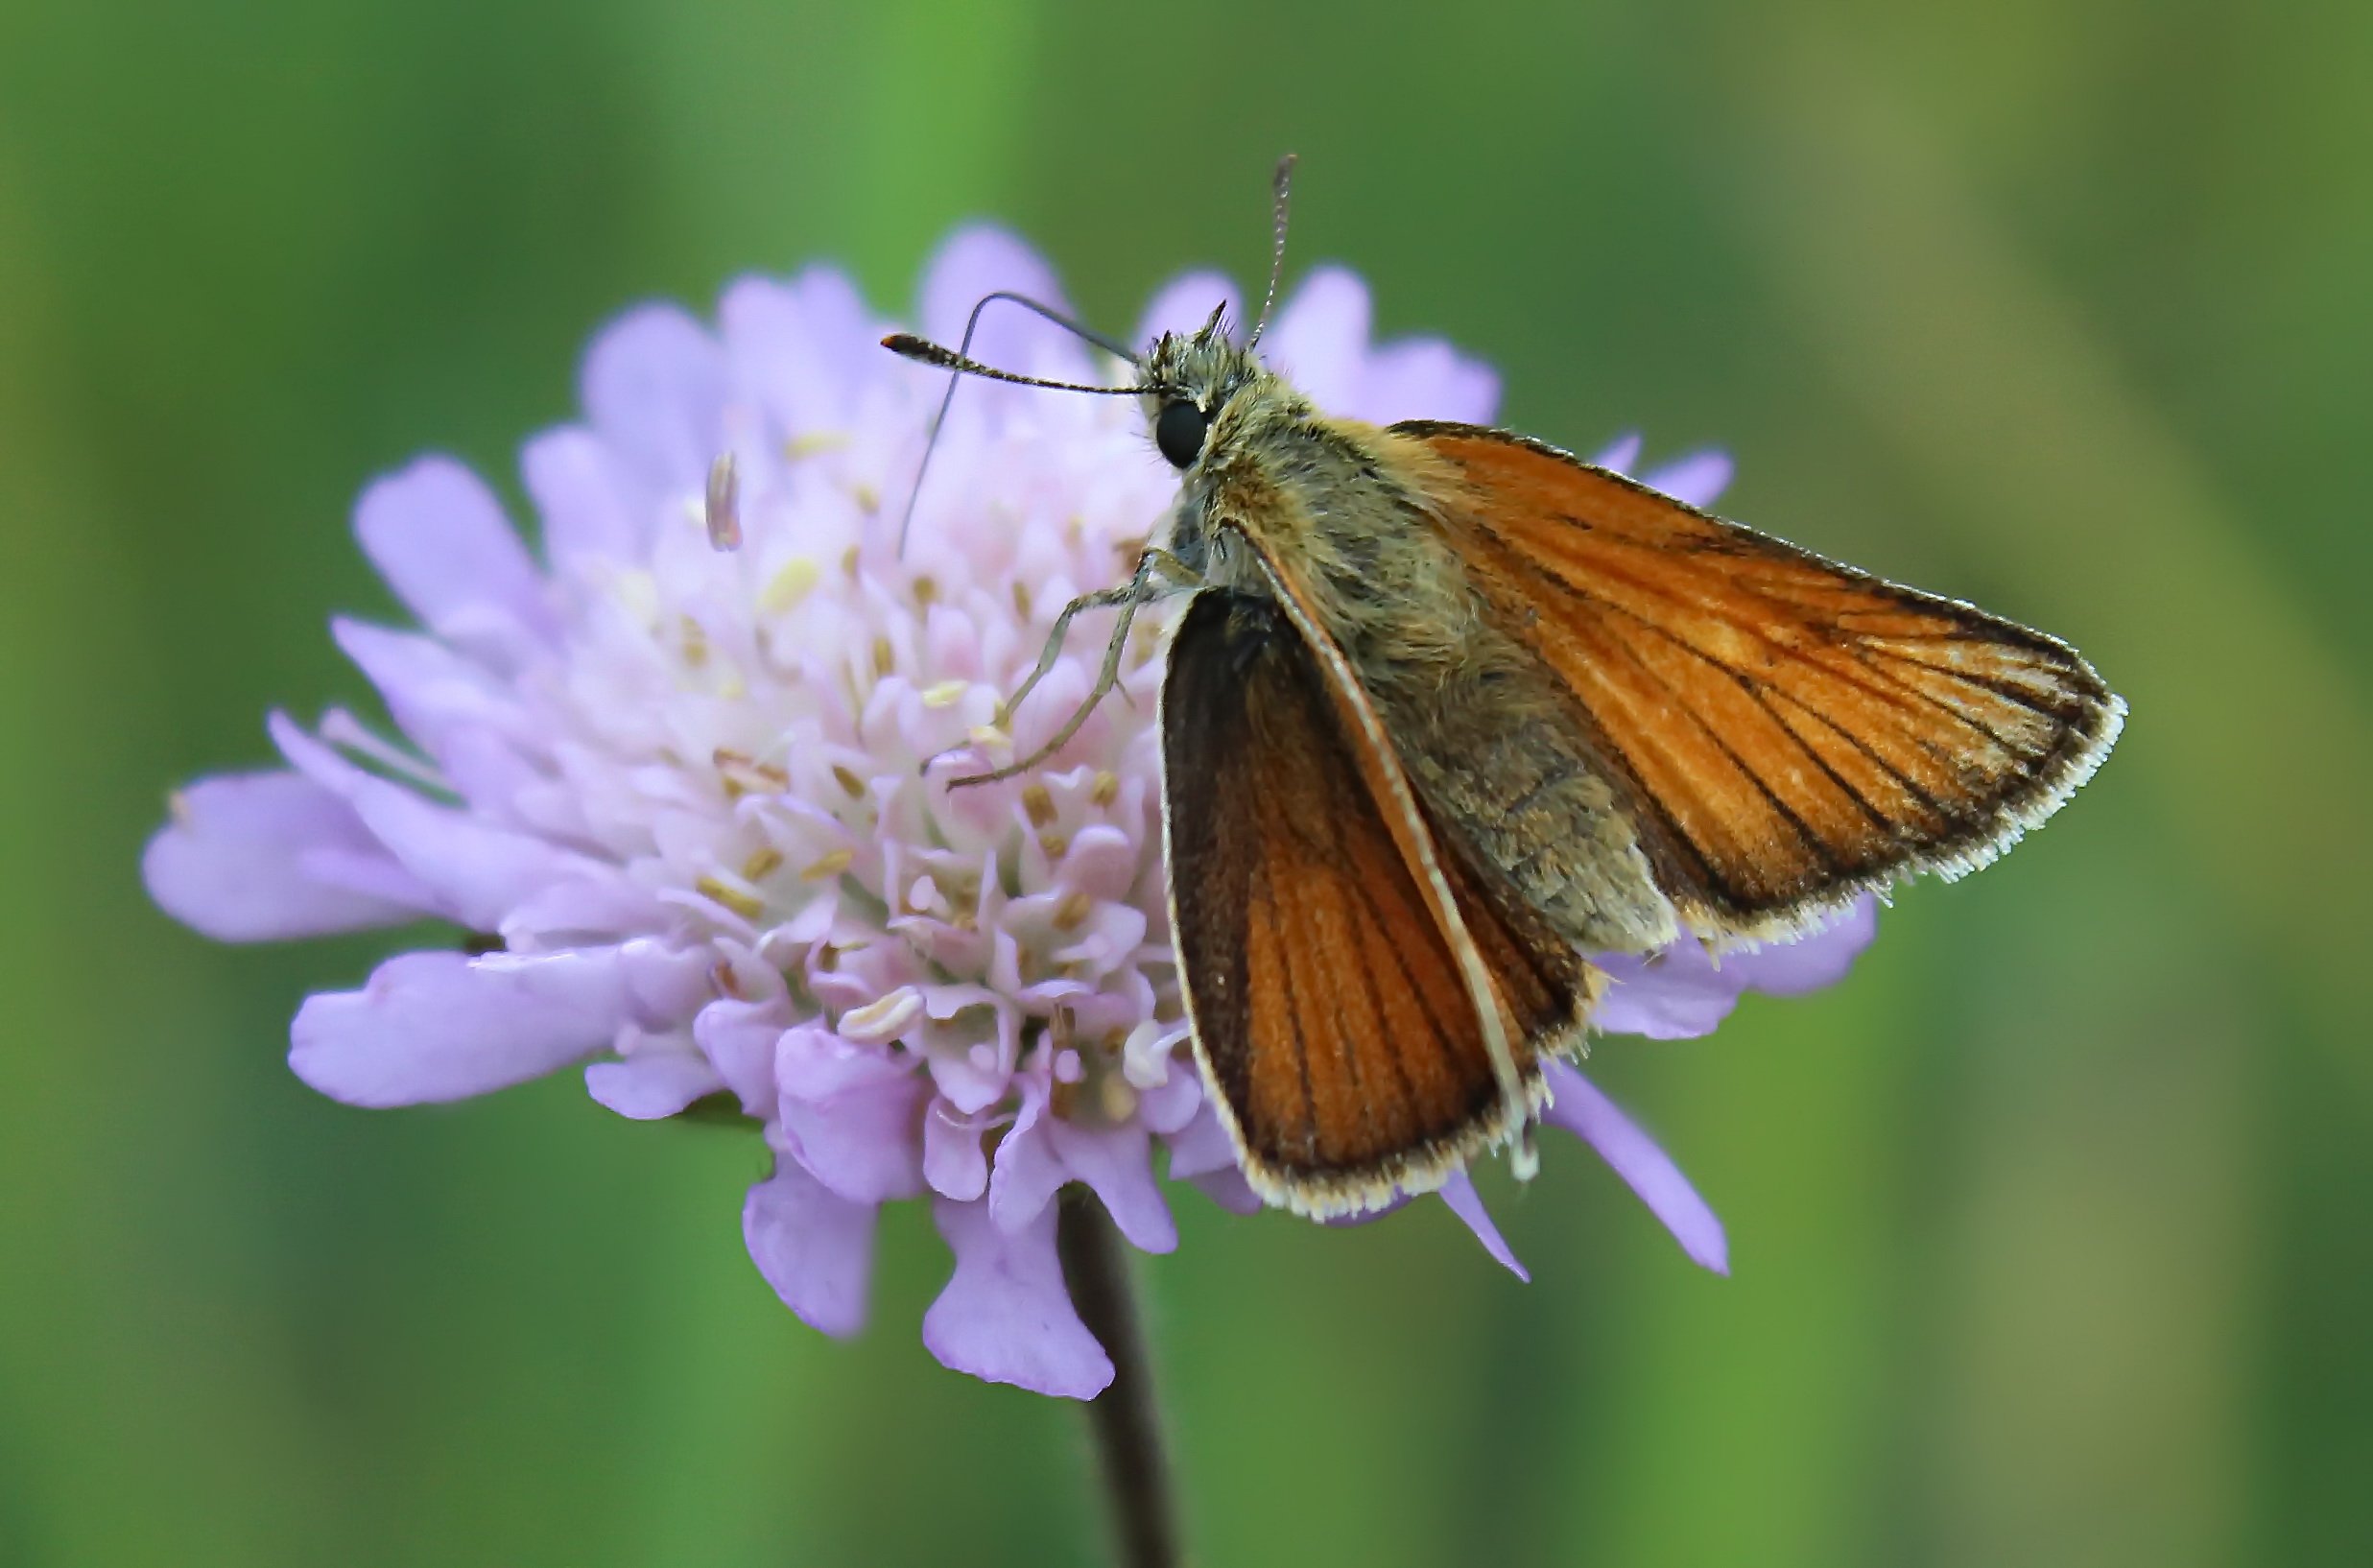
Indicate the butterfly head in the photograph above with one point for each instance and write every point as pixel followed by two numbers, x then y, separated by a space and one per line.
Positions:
pixel 1196 383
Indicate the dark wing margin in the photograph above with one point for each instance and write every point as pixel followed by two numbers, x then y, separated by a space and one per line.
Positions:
pixel 1792 732
pixel 1330 1014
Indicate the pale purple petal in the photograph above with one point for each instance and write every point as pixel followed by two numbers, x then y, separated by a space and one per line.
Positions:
pixel 1005 1316
pixel 233 864
pixel 740 1039
pixel 1696 480
pixel 1202 1146
pixel 1676 994
pixel 655 385
pixel 1619 454
pixel 1116 1163
pixel 1425 378
pixel 439 536
pixel 1319 339
pixel 1684 991
pixel 1808 963
pixel 1229 1190
pixel 1458 1192
pixel 1184 304
pixel 446 1026
pixel 953 1162
pixel 1027 1172
pixel 427 686
pixel 980 261
pixel 1648 1170
pixel 865 1144
pixel 815 1249
pixel 652 1084
pixel 799 349
pixel 579 494
pixel 478 872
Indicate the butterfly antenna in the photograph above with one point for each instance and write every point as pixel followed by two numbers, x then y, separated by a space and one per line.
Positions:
pixel 960 364
pixel 1283 186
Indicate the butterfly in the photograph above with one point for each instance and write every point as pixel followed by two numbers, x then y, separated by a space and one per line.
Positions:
pixel 1450 709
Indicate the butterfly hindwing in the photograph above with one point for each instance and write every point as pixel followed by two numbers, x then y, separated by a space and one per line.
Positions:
pixel 1327 1000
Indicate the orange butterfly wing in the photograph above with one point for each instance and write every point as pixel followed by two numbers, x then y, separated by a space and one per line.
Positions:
pixel 1791 732
pixel 1327 1002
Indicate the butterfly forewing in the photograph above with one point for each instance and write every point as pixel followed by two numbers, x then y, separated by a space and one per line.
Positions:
pixel 1792 731
pixel 1327 1001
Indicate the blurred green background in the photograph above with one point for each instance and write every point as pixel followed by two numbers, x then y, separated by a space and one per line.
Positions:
pixel 2050 1226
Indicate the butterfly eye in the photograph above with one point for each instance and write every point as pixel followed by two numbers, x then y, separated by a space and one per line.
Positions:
pixel 1179 432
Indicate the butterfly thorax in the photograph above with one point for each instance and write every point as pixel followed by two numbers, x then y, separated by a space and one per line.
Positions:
pixel 1344 516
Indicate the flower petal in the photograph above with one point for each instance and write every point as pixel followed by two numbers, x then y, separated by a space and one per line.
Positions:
pixel 479 872
pixel 981 260
pixel 1117 1165
pixel 652 1084
pixel 1810 962
pixel 428 687
pixel 1458 1192
pixel 740 1039
pixel 1202 1147
pixel 439 536
pixel 1319 339
pixel 653 386
pixel 1005 1316
pixel 799 350
pixel 577 492
pixel 815 1249
pixel 953 1160
pixel 1619 454
pixel 233 864
pixel 1425 378
pixel 445 1026
pixel 1648 1170
pixel 1696 480
pixel 1677 994
pixel 1027 1172
pixel 1185 303
pixel 851 1114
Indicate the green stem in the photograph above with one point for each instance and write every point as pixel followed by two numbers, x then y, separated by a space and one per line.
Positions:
pixel 1124 1420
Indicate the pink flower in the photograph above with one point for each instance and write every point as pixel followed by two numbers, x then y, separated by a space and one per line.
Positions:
pixel 677 785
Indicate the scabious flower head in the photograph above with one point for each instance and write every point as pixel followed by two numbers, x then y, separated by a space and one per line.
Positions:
pixel 669 773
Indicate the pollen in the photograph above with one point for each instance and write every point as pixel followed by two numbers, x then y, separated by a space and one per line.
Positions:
pixel 946 694
pixel 829 866
pixel 1105 787
pixel 740 900
pixel 747 776
pixel 1038 802
pixel 850 784
pixel 762 863
pixel 813 443
pixel 1073 910
pixel 791 583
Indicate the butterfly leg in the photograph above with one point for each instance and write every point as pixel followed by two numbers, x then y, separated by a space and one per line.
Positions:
pixel 1141 589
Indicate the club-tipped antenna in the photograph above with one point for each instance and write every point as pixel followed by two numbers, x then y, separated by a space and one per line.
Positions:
pixel 960 364
pixel 1283 187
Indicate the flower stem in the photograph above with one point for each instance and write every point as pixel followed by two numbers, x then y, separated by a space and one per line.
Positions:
pixel 1124 1420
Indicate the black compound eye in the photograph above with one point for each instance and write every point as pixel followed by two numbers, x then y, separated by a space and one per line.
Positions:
pixel 1178 431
